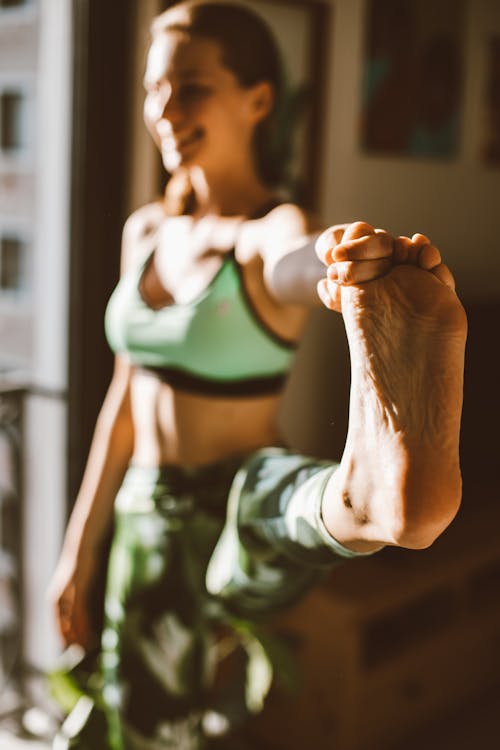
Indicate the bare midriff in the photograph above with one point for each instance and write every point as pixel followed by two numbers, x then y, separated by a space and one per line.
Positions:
pixel 186 429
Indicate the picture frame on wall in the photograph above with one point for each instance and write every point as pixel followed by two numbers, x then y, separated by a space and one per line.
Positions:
pixel 490 147
pixel 412 86
pixel 301 28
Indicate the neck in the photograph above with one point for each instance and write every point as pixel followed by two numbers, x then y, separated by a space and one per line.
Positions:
pixel 235 193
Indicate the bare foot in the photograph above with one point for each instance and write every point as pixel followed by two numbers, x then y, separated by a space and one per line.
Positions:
pixel 399 480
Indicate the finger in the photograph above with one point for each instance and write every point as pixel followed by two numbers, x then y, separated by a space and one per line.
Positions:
pixel 330 295
pixel 357 229
pixel 444 275
pixel 62 608
pixel 81 625
pixel 66 632
pixel 368 247
pixel 359 272
pixel 420 239
pixel 327 241
pixel 402 246
pixel 429 257
pixel 71 621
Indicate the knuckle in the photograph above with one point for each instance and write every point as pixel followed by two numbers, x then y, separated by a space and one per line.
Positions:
pixel 351 250
pixel 324 244
pixel 358 229
pixel 346 271
pixel 341 252
pixel 382 244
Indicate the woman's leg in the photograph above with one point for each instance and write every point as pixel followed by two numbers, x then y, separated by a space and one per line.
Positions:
pixel 157 647
pixel 399 479
pixel 154 658
pixel 274 545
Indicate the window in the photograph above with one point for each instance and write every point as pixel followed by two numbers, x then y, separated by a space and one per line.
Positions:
pixel 12 104
pixel 11 263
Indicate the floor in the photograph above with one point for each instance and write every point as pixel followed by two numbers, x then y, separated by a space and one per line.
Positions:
pixel 9 742
pixel 476 726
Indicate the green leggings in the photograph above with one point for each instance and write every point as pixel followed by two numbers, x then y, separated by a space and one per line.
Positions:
pixel 196 554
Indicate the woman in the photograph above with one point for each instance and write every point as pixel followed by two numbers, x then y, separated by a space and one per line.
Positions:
pixel 217 283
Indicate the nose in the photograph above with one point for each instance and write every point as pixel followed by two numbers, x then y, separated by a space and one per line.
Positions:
pixel 162 106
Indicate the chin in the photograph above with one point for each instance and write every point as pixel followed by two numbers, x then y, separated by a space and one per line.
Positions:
pixel 173 160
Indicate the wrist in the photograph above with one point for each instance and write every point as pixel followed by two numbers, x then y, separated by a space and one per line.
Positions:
pixel 82 542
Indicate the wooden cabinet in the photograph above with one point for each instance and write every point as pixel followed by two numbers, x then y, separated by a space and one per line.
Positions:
pixel 389 643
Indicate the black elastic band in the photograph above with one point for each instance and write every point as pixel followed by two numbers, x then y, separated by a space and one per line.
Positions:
pixel 185 381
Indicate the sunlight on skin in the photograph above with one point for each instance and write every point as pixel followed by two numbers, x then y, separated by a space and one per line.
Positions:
pixel 406 337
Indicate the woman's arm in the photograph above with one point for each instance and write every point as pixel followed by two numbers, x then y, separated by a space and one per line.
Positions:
pixel 292 269
pixel 112 443
pixel 81 559
pixel 110 453
pixel 111 449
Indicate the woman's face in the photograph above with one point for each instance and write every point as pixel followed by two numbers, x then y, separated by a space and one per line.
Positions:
pixel 195 109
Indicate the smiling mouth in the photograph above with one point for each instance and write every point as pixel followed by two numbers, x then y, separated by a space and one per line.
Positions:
pixel 179 145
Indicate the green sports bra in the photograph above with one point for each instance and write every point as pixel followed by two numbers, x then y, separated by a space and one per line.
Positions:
pixel 216 344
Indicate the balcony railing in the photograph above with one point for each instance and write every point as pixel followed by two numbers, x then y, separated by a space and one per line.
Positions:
pixel 11 409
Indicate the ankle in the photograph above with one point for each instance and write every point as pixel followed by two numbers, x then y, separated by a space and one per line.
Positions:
pixel 402 503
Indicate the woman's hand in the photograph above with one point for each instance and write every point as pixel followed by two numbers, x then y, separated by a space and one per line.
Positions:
pixel 70 595
pixel 361 254
pixel 356 255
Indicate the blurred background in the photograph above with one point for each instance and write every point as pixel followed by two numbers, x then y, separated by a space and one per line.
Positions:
pixel 397 104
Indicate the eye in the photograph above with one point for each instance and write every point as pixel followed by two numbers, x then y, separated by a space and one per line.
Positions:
pixel 192 92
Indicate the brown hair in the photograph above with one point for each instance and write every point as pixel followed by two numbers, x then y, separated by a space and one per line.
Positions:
pixel 250 52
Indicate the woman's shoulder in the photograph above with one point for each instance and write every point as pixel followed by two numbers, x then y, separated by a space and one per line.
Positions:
pixel 144 221
pixel 139 232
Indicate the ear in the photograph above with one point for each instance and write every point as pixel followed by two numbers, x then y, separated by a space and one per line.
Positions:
pixel 262 100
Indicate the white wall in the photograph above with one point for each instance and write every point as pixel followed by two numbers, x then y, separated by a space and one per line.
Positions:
pixel 455 202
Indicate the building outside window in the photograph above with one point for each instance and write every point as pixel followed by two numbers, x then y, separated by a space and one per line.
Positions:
pixel 12 107
pixel 35 190
pixel 12 251
pixel 16 121
pixel 12 3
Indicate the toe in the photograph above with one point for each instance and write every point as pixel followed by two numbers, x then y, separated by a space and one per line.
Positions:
pixel 418 243
pixel 444 275
pixel 429 257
